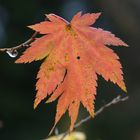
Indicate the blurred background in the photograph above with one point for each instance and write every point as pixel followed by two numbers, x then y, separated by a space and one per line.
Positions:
pixel 18 119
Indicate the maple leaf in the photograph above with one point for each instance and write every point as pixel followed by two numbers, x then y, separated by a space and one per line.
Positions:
pixel 74 53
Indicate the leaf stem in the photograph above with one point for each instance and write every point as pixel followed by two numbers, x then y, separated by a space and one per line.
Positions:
pixel 25 44
pixel 114 101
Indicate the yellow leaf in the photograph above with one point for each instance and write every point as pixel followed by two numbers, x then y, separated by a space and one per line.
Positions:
pixel 71 136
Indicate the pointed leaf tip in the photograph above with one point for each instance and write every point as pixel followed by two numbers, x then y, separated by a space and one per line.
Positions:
pixel 48 101
pixel 36 102
pixel 92 114
pixel 124 89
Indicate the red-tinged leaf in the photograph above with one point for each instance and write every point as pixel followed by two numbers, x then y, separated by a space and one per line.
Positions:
pixel 74 54
pixel 102 36
pixel 85 20
pixel 56 24
pixel 49 76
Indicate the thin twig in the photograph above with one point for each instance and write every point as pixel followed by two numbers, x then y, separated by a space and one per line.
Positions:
pixel 114 101
pixel 25 44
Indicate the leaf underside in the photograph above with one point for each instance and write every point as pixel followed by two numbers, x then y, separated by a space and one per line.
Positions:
pixel 74 53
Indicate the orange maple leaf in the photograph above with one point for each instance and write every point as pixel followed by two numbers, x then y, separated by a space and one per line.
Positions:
pixel 74 54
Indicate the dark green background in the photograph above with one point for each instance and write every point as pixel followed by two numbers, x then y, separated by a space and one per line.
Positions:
pixel 18 119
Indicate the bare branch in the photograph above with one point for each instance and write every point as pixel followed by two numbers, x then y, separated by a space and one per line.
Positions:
pixel 25 44
pixel 114 101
